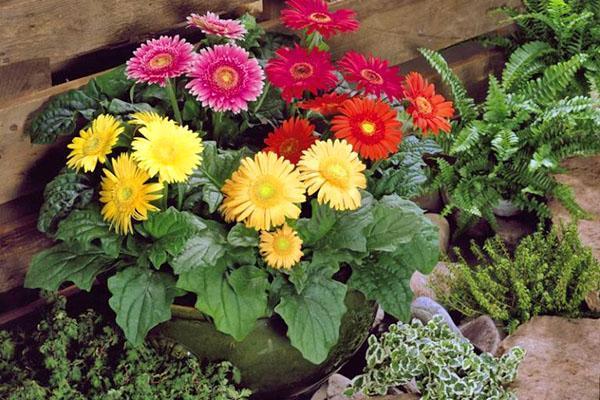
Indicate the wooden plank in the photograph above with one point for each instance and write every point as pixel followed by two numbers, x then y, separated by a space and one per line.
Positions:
pixel 62 29
pixel 24 77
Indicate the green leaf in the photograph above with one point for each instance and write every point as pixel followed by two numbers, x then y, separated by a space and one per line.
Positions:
pixel 67 191
pixel 233 301
pixel 241 236
pixel 202 250
pixel 117 106
pixel 191 109
pixel 142 299
pixel 59 117
pixel 170 231
pixel 313 229
pixel 85 227
pixel 114 83
pixel 423 251
pixel 253 32
pixel 62 263
pixel 313 317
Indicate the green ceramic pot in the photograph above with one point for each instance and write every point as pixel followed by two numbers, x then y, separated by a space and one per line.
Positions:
pixel 269 365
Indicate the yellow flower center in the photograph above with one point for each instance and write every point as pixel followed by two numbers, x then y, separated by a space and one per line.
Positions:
pixel 124 194
pixel 160 60
pixel 301 70
pixel 368 128
pixel 424 105
pixel 226 77
pixel 164 152
pixel 335 173
pixel 266 192
pixel 288 146
pixel 372 76
pixel 92 145
pixel 282 244
pixel 320 18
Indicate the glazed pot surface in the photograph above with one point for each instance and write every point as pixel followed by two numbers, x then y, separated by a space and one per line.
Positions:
pixel 269 365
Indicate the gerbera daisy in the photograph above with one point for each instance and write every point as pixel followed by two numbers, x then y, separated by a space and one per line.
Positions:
pixel 226 78
pixel 370 126
pixel 314 16
pixel 126 194
pixel 282 248
pixel 94 144
pixel 167 149
pixel 335 171
pixel 144 117
pixel 372 74
pixel 160 59
pixel 211 24
pixel 298 69
pixel 429 111
pixel 326 105
pixel 263 192
pixel 289 140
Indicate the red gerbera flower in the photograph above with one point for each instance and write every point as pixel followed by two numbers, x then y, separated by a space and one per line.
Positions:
pixel 314 15
pixel 429 111
pixel 298 69
pixel 370 126
pixel 372 74
pixel 326 105
pixel 289 140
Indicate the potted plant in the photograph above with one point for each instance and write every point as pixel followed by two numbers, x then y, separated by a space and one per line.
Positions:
pixel 226 203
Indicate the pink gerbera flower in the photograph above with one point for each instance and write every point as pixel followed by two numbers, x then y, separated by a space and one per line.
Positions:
pixel 160 59
pixel 226 78
pixel 314 15
pixel 372 74
pixel 298 69
pixel 212 24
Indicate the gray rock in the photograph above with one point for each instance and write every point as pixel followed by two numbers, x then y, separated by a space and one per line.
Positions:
pixel 506 208
pixel 320 394
pixel 421 284
pixel 512 230
pixel 336 386
pixel 444 231
pixel 483 333
pixel 431 202
pixel 424 309
pixel 593 301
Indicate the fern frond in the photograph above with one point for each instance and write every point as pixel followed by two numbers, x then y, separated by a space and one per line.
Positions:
pixel 496 104
pixel 524 63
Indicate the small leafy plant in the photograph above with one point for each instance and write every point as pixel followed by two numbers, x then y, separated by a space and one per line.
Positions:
pixel 549 274
pixel 443 365
pixel 85 358
pixel 509 147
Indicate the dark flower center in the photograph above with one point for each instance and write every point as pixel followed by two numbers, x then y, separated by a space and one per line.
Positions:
pixel 226 77
pixel 320 18
pixel 423 105
pixel 372 76
pixel 302 70
pixel 160 60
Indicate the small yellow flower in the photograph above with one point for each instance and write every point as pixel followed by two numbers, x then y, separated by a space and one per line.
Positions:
pixel 167 149
pixel 126 194
pixel 94 144
pixel 263 192
pixel 145 117
pixel 282 248
pixel 335 171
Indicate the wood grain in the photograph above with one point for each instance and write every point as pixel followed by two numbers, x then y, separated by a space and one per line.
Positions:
pixel 24 77
pixel 62 29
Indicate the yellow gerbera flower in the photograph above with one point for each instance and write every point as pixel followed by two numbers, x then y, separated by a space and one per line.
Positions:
pixel 335 171
pixel 167 149
pixel 145 117
pixel 94 144
pixel 282 248
pixel 126 194
pixel 263 192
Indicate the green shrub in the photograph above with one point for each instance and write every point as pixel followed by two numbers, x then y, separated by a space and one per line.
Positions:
pixel 443 365
pixel 84 358
pixel 549 274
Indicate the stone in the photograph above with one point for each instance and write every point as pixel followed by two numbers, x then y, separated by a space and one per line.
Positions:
pixel 593 301
pixel 337 384
pixel 320 394
pixel 403 396
pixel 562 360
pixel 424 309
pixel 444 231
pixel 506 208
pixel 420 284
pixel 483 333
pixel 431 202
pixel 512 230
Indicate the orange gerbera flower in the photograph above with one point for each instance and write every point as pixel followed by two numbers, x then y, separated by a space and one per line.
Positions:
pixel 327 105
pixel 429 111
pixel 370 126
pixel 289 140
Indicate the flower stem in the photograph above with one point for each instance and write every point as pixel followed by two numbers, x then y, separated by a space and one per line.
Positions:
pixel 262 98
pixel 173 99
pixel 180 194
pixel 165 197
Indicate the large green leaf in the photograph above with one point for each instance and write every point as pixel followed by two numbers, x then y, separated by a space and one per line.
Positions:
pixel 313 229
pixel 313 317
pixel 114 83
pixel 241 236
pixel 67 191
pixel 234 301
pixel 170 231
pixel 423 251
pixel 202 250
pixel 142 299
pixel 59 117
pixel 62 263
pixel 86 227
